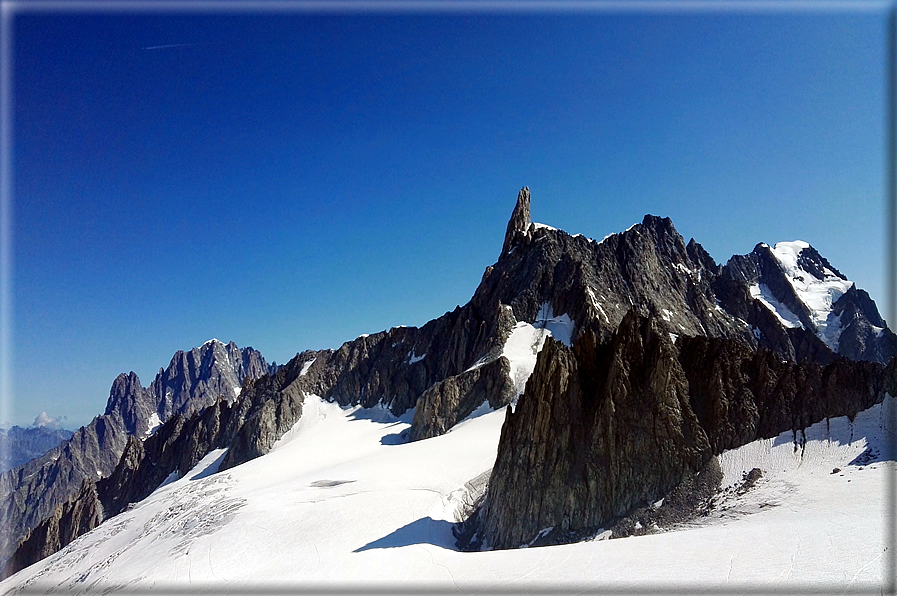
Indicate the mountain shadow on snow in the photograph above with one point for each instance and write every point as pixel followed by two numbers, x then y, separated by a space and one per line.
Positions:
pixel 422 531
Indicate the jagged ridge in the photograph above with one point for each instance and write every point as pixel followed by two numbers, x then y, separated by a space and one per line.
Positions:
pixel 451 365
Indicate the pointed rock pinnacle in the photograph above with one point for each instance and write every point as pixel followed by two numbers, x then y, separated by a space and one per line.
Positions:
pixel 520 220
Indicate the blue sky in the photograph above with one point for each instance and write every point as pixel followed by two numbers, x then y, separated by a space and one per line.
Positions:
pixel 291 180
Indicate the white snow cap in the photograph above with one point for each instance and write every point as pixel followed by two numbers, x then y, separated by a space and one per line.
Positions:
pixel 819 295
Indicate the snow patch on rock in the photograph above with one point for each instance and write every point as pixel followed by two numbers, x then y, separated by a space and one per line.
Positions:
pixel 762 293
pixel 306 366
pixel 526 340
pixel 153 423
pixel 817 294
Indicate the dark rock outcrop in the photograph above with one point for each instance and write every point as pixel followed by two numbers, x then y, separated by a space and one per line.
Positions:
pixel 273 404
pixel 134 403
pixel 82 513
pixel 864 334
pixel 605 428
pixel 600 430
pixel 30 493
pixel 451 400
pixel 519 224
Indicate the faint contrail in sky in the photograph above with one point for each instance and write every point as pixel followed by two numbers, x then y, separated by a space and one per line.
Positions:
pixel 173 45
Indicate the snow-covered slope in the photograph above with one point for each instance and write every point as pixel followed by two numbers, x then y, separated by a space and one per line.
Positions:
pixel 338 503
pixel 815 284
pixel 526 340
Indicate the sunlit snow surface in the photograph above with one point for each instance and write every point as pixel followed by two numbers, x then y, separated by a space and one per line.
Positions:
pixel 526 340
pixel 787 318
pixel 307 365
pixel 337 505
pixel 153 423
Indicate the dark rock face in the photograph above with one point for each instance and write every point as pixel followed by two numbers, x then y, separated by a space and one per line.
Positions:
pixel 451 400
pixel 648 268
pixel 68 521
pixel 605 428
pixel 600 430
pixel 741 395
pixel 132 401
pixel 198 378
pixel 192 381
pixel 19 445
pixel 519 225
pixel 30 493
pixel 272 406
pixel 864 335
pixel 691 498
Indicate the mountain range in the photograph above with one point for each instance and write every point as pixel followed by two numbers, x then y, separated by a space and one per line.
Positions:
pixel 19 445
pixel 626 368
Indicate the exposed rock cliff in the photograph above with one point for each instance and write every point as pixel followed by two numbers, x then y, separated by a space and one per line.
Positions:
pixel 19 445
pixel 799 306
pixel 451 400
pixel 69 520
pixel 192 381
pixel 30 493
pixel 605 428
pixel 601 429
pixel 519 224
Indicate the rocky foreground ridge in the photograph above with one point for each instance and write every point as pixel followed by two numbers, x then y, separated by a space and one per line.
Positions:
pixel 605 428
pixel 642 315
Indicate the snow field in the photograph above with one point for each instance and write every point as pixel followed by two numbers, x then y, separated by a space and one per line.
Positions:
pixel 334 502
pixel 787 318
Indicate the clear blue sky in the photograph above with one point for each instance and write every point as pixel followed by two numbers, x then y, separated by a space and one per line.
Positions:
pixel 289 181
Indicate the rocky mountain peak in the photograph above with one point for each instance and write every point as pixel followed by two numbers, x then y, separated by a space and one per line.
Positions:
pixel 659 225
pixel 129 398
pixel 520 220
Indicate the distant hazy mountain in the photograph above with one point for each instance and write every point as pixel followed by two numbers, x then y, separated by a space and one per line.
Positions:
pixel 19 445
